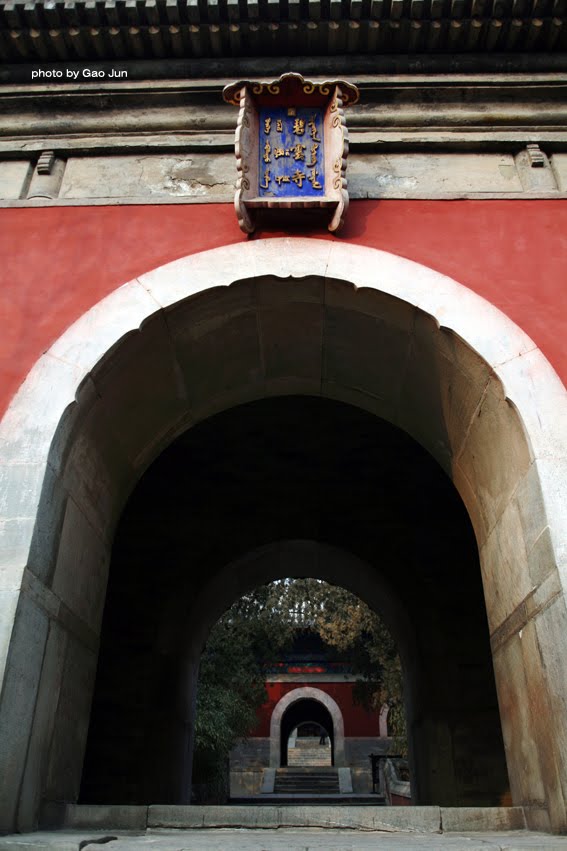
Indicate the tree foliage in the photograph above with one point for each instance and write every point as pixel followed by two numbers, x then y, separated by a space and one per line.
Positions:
pixel 248 637
pixel 257 630
pixel 347 624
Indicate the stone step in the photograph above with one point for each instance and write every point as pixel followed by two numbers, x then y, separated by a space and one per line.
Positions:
pixel 309 752
pixel 310 773
pixel 306 755
pixel 306 781
pixel 292 792
pixel 313 781
pixel 307 770
pixel 306 799
pixel 305 784
pixel 424 819
pixel 312 791
pixel 301 755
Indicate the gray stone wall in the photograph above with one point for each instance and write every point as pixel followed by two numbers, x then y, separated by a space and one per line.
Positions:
pixel 445 136
pixel 200 178
pixel 253 753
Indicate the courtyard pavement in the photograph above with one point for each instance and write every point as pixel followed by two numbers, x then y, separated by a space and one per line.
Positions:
pixel 288 839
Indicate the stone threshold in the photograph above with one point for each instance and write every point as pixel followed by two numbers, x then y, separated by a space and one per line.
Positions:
pixel 428 819
pixel 274 840
pixel 163 827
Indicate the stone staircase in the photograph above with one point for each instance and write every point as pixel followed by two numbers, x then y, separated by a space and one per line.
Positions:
pixel 308 751
pixel 312 780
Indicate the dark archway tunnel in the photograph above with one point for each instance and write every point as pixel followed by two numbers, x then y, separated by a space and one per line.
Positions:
pixel 302 712
pixel 278 469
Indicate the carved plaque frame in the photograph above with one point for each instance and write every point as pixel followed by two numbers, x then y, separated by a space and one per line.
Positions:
pixel 307 168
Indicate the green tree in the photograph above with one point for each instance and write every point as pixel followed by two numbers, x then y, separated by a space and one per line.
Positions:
pixel 246 639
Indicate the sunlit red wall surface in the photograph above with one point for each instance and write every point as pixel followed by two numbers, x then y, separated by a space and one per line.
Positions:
pixel 357 721
pixel 57 262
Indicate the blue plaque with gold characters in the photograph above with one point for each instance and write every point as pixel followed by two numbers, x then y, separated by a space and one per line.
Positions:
pixel 291 147
pixel 292 162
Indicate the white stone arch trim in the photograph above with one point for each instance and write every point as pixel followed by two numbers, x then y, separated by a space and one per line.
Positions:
pixel 307 693
pixel 517 502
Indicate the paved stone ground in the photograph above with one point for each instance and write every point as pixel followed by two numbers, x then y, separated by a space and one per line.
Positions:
pixel 311 839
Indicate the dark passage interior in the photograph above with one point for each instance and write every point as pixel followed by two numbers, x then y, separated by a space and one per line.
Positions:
pixel 298 468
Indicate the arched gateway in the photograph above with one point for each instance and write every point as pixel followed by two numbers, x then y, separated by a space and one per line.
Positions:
pixel 294 698
pixel 171 349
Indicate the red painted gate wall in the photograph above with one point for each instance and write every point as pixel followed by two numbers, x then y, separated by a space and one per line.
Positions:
pixel 357 721
pixel 56 262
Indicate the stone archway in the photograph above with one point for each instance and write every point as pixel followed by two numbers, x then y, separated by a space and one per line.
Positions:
pixel 142 366
pixel 307 693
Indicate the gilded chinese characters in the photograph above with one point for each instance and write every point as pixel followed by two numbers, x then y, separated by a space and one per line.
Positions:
pixel 291 152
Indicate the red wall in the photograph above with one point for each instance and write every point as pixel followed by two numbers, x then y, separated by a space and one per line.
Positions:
pixel 57 262
pixel 358 722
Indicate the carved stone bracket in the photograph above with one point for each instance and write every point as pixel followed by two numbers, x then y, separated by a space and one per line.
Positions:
pixel 291 147
pixel 245 144
pixel 45 162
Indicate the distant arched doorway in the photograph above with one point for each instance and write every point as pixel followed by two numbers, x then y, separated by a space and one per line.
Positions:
pixel 302 713
pixel 303 704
